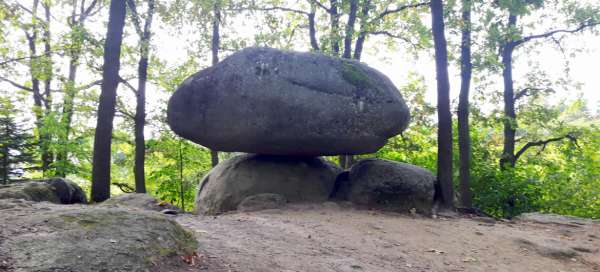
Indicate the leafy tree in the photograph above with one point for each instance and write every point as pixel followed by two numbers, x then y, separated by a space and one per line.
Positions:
pixel 15 143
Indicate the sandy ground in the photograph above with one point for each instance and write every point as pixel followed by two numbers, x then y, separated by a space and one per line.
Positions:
pixel 323 238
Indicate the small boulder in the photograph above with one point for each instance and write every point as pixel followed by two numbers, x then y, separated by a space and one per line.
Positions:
pixel 56 190
pixel 297 179
pixel 388 185
pixel 261 202
pixel 268 101
pixel 88 238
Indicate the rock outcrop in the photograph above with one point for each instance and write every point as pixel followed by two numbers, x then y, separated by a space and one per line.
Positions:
pixel 140 201
pixel 267 101
pixel 45 237
pixel 297 179
pixel 56 190
pixel 388 185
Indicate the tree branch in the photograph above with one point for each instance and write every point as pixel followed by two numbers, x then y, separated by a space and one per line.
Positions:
pixel 16 84
pixel 271 9
pixel 126 83
pixel 543 143
pixel 387 12
pixel 319 4
pixel 135 17
pixel 551 33
pixel 529 91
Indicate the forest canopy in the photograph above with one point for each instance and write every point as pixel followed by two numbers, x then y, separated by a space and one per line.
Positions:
pixel 521 113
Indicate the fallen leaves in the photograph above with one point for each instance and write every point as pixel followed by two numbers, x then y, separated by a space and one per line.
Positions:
pixel 191 259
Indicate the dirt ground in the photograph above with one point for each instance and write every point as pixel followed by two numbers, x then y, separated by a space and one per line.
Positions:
pixel 327 237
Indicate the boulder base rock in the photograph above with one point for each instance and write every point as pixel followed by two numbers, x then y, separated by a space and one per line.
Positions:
pixel 388 185
pixel 86 238
pixel 267 101
pixel 297 179
pixel 56 190
pixel 140 201
pixel 261 202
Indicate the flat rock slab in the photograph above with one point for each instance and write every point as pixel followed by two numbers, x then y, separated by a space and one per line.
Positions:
pixel 267 101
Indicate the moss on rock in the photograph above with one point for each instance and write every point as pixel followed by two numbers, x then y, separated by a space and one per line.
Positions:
pixel 355 76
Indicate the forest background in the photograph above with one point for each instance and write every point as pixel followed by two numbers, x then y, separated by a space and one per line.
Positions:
pixel 50 75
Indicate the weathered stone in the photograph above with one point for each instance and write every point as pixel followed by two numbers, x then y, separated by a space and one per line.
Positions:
pixel 56 190
pixel 140 201
pixel 298 179
pixel 389 185
pixel 88 238
pixel 261 202
pixel 267 101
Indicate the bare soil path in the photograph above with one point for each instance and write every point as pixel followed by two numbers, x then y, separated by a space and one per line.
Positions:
pixel 324 238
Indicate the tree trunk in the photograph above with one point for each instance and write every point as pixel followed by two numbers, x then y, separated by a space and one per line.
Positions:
pixel 68 102
pixel 362 36
pixel 510 116
pixel 464 139
pixel 350 29
pixel 444 161
pixel 312 29
pixel 140 116
pixel 334 27
pixel 106 107
pixel 140 110
pixel 215 44
pixel 37 96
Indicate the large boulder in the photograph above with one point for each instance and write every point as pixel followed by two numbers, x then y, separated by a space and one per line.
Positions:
pixel 267 101
pixel 297 179
pixel 55 190
pixel 388 185
pixel 45 237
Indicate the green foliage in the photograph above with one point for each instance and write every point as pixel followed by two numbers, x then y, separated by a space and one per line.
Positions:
pixel 16 144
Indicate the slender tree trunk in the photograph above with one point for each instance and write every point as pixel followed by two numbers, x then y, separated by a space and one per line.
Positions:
pixel 464 139
pixel 106 107
pixel 182 188
pixel 510 116
pixel 349 35
pixel 140 117
pixel 312 29
pixel 334 28
pixel 140 110
pixel 215 45
pixel 362 35
pixel 444 162
pixel 38 100
pixel 5 163
pixel 69 98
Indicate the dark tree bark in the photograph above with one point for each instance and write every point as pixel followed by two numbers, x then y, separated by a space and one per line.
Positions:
pixel 215 45
pixel 349 35
pixel 464 139
pixel 510 116
pixel 144 34
pixel 362 35
pixel 312 29
pixel 444 162
pixel 106 107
